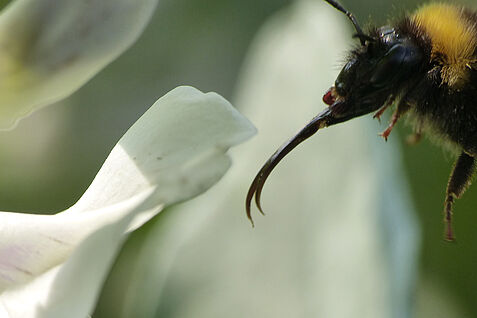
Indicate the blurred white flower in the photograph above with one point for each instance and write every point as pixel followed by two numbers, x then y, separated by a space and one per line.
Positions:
pixel 339 239
pixel 49 48
pixel 54 265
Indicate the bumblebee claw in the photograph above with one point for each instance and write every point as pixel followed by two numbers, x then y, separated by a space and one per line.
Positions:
pixel 385 134
pixel 449 234
pixel 377 115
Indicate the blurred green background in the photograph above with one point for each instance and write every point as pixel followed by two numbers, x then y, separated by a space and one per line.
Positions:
pixel 51 157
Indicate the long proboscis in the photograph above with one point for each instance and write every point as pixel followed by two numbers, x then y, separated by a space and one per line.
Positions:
pixel 320 121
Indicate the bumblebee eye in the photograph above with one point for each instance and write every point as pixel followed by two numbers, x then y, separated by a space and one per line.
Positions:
pixel 388 66
pixel 396 63
pixel 345 77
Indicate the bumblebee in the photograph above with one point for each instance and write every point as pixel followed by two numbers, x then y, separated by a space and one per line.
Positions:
pixel 425 65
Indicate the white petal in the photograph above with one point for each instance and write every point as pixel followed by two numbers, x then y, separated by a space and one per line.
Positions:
pixel 70 289
pixel 183 130
pixel 49 48
pixel 175 151
pixel 32 244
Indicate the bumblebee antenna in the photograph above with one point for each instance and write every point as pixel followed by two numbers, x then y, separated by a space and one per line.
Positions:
pixel 362 37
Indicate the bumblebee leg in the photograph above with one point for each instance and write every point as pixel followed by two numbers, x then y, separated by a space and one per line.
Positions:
pixel 381 111
pixel 400 110
pixel 459 180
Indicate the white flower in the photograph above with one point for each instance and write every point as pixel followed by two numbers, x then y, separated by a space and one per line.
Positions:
pixel 50 48
pixel 54 265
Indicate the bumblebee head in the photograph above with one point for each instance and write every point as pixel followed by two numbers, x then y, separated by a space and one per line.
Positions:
pixel 373 74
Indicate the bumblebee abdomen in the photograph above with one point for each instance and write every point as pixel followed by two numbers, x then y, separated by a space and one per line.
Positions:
pixel 452 33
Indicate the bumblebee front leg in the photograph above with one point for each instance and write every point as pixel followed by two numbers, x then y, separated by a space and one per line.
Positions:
pixel 401 109
pixel 459 180
pixel 383 108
